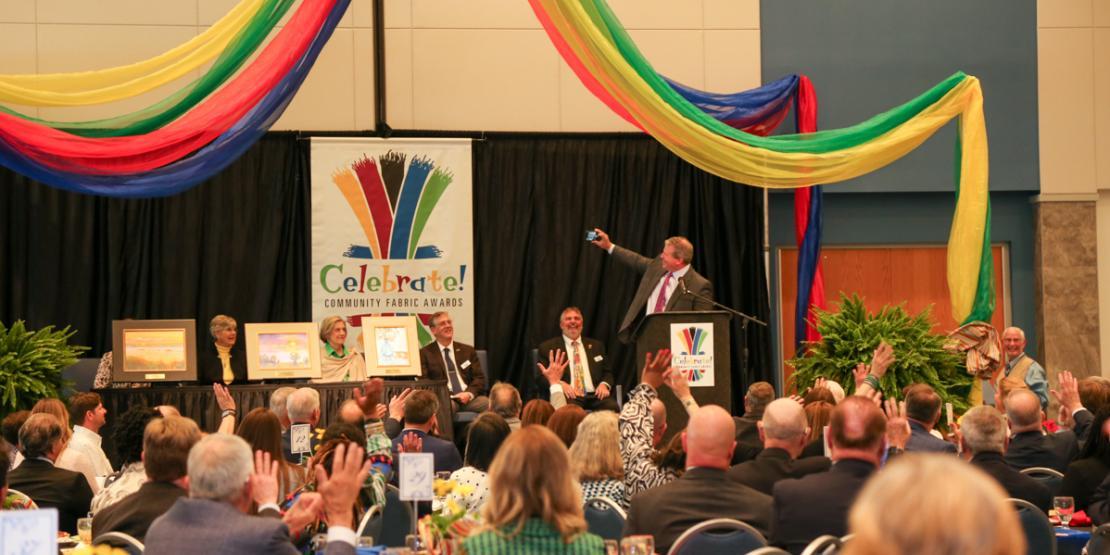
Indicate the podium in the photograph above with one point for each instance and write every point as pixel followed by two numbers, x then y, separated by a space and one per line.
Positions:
pixel 671 330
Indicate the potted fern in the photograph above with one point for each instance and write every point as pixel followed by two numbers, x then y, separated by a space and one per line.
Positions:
pixel 31 364
pixel 850 336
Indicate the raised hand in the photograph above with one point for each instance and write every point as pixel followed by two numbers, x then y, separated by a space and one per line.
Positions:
pixel 655 366
pixel 411 443
pixel 602 242
pixel 264 480
pixel 223 397
pixel 397 404
pixel 369 395
pixel 897 425
pixel 308 507
pixel 556 366
pixel 1068 393
pixel 676 380
pixel 881 359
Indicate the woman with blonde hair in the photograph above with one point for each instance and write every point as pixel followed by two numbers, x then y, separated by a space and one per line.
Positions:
pixel 57 408
pixel 337 362
pixel 534 505
pixel 933 504
pixel 596 458
pixel 223 359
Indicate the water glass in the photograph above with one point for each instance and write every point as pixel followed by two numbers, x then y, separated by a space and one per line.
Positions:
pixel 638 545
pixel 1065 507
pixel 84 530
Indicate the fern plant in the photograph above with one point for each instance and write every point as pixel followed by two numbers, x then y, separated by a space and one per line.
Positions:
pixel 851 335
pixel 31 364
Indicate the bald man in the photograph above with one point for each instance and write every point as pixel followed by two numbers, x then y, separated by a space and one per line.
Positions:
pixel 1029 446
pixel 783 431
pixel 818 504
pixel 704 491
pixel 1022 372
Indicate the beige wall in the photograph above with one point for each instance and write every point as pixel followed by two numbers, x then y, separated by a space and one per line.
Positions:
pixel 451 64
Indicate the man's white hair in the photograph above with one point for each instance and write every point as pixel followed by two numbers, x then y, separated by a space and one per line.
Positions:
pixel 784 419
pixel 301 403
pixel 219 467
pixel 984 430
pixel 278 400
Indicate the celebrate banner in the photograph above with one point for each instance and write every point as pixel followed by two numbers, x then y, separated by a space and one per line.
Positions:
pixel 392 231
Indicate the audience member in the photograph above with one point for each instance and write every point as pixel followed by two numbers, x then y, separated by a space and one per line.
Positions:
pixel 983 434
pixel 222 486
pixel 5 462
pixel 1029 445
pixel 1022 372
pixel 223 359
pixel 923 411
pixel 351 414
pixel 483 439
pixel 1093 465
pixel 1077 409
pixel 536 411
pixel 817 418
pixel 395 413
pixel 40 441
pixel 759 395
pixel 586 380
pixel 83 453
pixel 931 504
pixel 643 422
pixel 595 457
pixel 10 426
pixel 278 400
pixel 564 422
pixel 337 362
pixel 421 409
pixel 57 408
pixel 533 506
pixel 262 431
pixel 455 362
pixel 128 439
pixel 819 393
pixel 704 491
pixel 818 504
pixel 165 452
pixel 504 399
pixel 784 432
pixel 303 406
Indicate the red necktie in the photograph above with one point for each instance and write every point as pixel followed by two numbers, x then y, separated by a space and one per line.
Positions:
pixel 661 300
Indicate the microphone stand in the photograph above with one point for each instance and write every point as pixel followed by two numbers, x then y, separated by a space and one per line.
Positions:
pixel 744 320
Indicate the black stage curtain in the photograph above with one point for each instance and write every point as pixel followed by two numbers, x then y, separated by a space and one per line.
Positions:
pixel 239 245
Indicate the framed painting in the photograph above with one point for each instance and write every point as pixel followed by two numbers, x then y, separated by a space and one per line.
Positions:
pixel 154 350
pixel 390 346
pixel 282 351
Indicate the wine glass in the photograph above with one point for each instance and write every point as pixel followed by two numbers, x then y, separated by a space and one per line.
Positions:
pixel 1064 506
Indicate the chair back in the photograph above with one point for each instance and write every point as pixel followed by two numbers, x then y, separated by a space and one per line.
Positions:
pixel 396 519
pixel 1040 538
pixel 17 501
pixel 1050 477
pixel 823 545
pixel 82 373
pixel 769 550
pixel 604 518
pixel 371 524
pixel 719 535
pixel 1099 543
pixel 119 540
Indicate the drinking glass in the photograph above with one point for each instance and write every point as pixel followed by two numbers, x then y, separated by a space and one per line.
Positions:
pixel 612 547
pixel 1064 506
pixel 84 530
pixel 638 545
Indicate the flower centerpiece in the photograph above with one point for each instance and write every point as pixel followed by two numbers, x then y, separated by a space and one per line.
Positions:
pixel 442 531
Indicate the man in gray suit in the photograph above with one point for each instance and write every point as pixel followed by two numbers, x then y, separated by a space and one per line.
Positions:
pixel 214 519
pixel 923 411
pixel 669 284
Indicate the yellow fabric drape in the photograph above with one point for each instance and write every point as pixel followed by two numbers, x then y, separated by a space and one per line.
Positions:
pixel 117 83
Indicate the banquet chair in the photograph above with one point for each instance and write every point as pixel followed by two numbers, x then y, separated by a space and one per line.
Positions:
pixel 396 519
pixel 604 518
pixel 1040 538
pixel 1099 543
pixel 119 540
pixel 769 550
pixel 1050 477
pixel 823 545
pixel 719 535
pixel 371 524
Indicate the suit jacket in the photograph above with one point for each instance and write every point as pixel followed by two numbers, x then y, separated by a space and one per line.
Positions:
pixel 1016 484
pixel 772 465
pixel 134 514
pixel 593 349
pixel 922 441
pixel 49 486
pixel 431 364
pixel 1029 449
pixel 652 270
pixel 817 504
pixel 446 454
pixel 1081 480
pixel 203 527
pixel 700 494
pixel 287 447
pixel 211 369
pixel 747 432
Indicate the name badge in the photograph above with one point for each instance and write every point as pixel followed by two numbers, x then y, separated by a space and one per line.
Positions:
pixel 465 364
pixel 598 358
pixel 300 438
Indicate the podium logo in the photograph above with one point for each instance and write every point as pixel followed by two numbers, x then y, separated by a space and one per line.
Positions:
pixel 692 340
pixel 692 345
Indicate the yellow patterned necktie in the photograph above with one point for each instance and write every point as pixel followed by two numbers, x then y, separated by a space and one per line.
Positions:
pixel 579 388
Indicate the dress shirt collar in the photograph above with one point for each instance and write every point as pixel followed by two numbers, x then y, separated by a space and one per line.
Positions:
pixel 1013 362
pixel 681 272
pixel 44 459
pixel 568 340
pixel 86 435
pixel 441 347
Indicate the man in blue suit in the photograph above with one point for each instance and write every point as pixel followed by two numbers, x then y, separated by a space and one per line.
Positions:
pixel 421 408
pixel 923 411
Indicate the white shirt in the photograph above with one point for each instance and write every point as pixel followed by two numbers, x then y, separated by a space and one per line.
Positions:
pixel 446 368
pixel 671 286
pixel 84 455
pixel 587 379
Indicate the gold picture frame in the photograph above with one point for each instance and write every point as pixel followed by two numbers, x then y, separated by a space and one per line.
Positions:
pixel 285 350
pixel 391 346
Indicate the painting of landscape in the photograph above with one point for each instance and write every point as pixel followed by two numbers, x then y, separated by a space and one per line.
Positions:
pixel 283 350
pixel 154 350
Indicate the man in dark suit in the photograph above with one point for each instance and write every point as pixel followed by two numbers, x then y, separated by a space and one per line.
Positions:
pixel 818 504
pixel 303 408
pixel 704 491
pixel 40 439
pixel 445 359
pixel 669 283
pixel 421 408
pixel 783 430
pixel 747 427
pixel 225 479
pixel 923 411
pixel 983 434
pixel 1029 445
pixel 587 379
pixel 166 444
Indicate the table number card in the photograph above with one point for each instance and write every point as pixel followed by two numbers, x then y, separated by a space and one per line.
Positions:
pixel 300 439
pixel 29 532
pixel 417 475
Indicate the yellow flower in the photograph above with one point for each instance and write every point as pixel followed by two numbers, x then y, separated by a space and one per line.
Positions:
pixel 452 507
pixel 463 491
pixel 443 487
